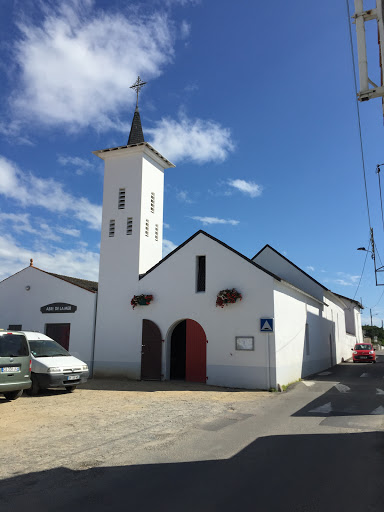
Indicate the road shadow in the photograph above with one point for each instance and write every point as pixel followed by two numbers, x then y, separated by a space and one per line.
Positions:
pixel 298 473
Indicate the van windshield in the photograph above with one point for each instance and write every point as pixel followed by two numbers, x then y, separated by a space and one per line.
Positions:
pixel 47 348
pixel 13 345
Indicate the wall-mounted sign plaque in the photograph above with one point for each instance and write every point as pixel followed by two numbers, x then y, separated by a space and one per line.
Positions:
pixel 58 307
pixel 245 343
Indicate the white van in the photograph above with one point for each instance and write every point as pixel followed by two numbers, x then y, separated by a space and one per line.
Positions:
pixel 52 365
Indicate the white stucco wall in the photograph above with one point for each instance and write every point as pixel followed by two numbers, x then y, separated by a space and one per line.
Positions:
pixel 343 341
pixel 328 342
pixel 293 311
pixel 173 285
pixel 19 306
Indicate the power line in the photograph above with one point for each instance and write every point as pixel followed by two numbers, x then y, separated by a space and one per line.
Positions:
pixel 361 275
pixel 358 111
pixel 381 199
pixel 381 296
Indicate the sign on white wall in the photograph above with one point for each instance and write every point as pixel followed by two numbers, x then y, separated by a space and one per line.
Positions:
pixel 245 343
pixel 58 307
pixel 266 324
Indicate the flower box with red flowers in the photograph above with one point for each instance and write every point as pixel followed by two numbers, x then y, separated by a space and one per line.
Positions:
pixel 141 300
pixel 225 297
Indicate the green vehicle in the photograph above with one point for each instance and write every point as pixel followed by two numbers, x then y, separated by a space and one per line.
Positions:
pixel 15 364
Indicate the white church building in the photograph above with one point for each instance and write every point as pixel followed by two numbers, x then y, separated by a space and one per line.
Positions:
pixel 283 326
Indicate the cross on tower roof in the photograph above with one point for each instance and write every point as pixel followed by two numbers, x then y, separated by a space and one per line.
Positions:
pixel 137 86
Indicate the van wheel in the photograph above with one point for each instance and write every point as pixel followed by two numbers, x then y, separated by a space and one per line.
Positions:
pixel 12 395
pixel 70 389
pixel 35 388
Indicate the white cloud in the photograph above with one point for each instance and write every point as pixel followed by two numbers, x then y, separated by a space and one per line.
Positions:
pixel 168 247
pixel 11 131
pixel 183 197
pixel 81 164
pixel 350 277
pixel 20 222
pixel 183 3
pixel 249 188
pixel 75 263
pixel 69 232
pixel 191 87
pixel 185 29
pixel 28 190
pixel 192 140
pixel 310 268
pixel 215 220
pixel 342 282
pixel 77 65
pixel 166 226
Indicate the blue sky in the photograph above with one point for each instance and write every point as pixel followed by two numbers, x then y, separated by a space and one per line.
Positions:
pixel 254 105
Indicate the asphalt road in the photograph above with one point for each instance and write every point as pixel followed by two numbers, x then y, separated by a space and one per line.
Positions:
pixel 318 447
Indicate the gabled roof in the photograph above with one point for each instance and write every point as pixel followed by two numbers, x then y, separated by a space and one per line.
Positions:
pixel 91 286
pixel 307 275
pixel 351 300
pixel 201 232
pixel 291 263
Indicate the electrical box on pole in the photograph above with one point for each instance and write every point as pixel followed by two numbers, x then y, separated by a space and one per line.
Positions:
pixel 361 17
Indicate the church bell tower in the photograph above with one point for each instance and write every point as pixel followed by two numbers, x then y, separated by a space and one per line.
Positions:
pixel 131 232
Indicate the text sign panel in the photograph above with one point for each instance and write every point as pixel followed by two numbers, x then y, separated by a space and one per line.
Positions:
pixel 58 307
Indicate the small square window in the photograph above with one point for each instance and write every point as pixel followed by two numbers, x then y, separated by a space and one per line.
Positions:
pixel 156 232
pixel 152 202
pixel 147 227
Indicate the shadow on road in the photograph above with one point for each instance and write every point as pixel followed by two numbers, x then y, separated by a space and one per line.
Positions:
pixel 282 473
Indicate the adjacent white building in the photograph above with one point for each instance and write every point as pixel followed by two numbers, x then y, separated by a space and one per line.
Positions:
pixel 62 307
pixel 285 327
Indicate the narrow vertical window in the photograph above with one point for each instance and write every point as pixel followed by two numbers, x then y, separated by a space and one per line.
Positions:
pixel 153 202
pixel 156 232
pixel 307 347
pixel 200 274
pixel 112 227
pixel 147 227
pixel 129 225
pixel 121 204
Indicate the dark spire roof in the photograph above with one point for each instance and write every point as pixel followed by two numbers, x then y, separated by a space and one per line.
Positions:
pixel 136 134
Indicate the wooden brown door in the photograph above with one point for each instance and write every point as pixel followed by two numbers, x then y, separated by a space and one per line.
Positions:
pixel 59 333
pixel 151 348
pixel 196 353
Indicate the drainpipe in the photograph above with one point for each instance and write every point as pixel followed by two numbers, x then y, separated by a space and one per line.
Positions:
pixel 94 338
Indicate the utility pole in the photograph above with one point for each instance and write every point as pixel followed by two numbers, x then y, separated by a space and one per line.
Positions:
pixel 370 310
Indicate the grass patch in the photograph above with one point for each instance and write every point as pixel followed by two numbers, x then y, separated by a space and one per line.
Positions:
pixel 284 387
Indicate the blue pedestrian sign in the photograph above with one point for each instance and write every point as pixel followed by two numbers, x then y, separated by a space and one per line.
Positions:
pixel 266 324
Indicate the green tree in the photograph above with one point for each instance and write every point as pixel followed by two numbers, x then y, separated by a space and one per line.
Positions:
pixel 372 331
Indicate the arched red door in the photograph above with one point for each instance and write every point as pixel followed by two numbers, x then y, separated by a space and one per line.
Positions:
pixel 151 348
pixel 196 352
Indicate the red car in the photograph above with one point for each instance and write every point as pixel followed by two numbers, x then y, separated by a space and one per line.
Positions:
pixel 363 352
